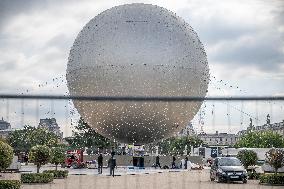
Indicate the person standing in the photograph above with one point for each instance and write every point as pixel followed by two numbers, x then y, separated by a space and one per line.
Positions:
pixel 112 164
pixel 100 164
pixel 157 162
pixel 174 162
pixel 185 163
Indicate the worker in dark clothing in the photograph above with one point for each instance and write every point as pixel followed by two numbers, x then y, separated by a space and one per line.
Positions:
pixel 100 164
pixel 112 164
pixel 174 162
pixel 185 162
pixel 157 162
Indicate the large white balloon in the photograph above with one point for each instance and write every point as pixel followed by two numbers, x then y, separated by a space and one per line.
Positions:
pixel 137 50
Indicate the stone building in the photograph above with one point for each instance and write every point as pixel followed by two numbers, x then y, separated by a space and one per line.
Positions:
pixel 4 125
pixel 274 127
pixel 218 139
pixel 187 131
pixel 51 125
pixel 5 128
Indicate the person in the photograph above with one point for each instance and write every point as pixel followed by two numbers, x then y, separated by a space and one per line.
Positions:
pixel 185 162
pixel 190 165
pixel 182 165
pixel 174 162
pixel 100 164
pixel 112 164
pixel 158 162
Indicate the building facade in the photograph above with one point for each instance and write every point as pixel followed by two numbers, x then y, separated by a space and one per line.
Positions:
pixel 4 125
pixel 187 131
pixel 274 127
pixel 51 125
pixel 218 139
pixel 5 128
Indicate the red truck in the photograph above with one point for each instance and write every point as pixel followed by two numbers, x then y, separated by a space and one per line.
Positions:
pixel 74 159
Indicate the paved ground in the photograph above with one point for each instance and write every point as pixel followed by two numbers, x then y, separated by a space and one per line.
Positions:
pixel 164 180
pixel 120 170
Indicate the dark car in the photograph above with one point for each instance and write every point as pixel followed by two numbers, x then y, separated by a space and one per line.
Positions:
pixel 227 169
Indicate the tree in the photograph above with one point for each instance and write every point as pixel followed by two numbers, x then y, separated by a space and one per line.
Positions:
pixel 57 156
pixel 275 158
pixel 40 155
pixel 177 145
pixel 247 157
pixel 87 137
pixel 6 155
pixel 22 140
pixel 266 139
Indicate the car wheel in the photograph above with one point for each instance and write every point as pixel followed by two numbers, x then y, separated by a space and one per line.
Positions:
pixel 245 181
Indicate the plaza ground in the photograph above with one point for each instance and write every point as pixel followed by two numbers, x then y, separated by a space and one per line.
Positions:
pixel 165 179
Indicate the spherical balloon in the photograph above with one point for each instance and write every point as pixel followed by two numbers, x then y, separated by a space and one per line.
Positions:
pixel 137 50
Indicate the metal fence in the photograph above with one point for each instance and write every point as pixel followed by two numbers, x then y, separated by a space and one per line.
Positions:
pixel 223 114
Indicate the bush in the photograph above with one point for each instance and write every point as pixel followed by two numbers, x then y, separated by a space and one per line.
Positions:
pixel 247 157
pixel 58 174
pixel 37 177
pixel 6 155
pixel 272 179
pixel 10 184
pixel 253 175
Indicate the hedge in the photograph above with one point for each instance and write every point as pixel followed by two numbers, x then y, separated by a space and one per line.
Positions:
pixel 272 179
pixel 58 174
pixel 37 177
pixel 253 175
pixel 10 184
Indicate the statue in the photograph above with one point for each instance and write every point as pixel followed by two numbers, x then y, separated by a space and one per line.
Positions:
pixel 268 119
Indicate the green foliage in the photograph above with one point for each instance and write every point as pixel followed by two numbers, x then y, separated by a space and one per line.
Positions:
pixel 3 140
pixel 57 156
pixel 6 155
pixel 58 174
pixel 254 175
pixel 177 146
pixel 266 139
pixel 272 179
pixel 10 184
pixel 40 155
pixel 86 137
pixel 37 177
pixel 275 158
pixel 247 157
pixel 23 140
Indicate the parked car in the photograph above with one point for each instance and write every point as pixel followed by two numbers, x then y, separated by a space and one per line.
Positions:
pixel 227 169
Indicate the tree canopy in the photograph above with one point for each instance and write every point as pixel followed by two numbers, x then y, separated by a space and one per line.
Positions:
pixel 247 157
pixel 6 155
pixel 23 140
pixel 275 158
pixel 87 137
pixel 57 156
pixel 177 145
pixel 40 155
pixel 267 139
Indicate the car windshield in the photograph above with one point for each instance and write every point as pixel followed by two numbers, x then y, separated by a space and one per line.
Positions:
pixel 229 162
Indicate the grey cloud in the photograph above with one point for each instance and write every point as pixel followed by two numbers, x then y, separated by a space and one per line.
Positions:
pixel 11 8
pixel 263 51
pixel 8 66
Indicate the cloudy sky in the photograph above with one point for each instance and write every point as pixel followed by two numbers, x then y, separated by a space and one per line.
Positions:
pixel 244 42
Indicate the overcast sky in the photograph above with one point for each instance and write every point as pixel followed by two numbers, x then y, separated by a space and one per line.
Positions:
pixel 244 42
